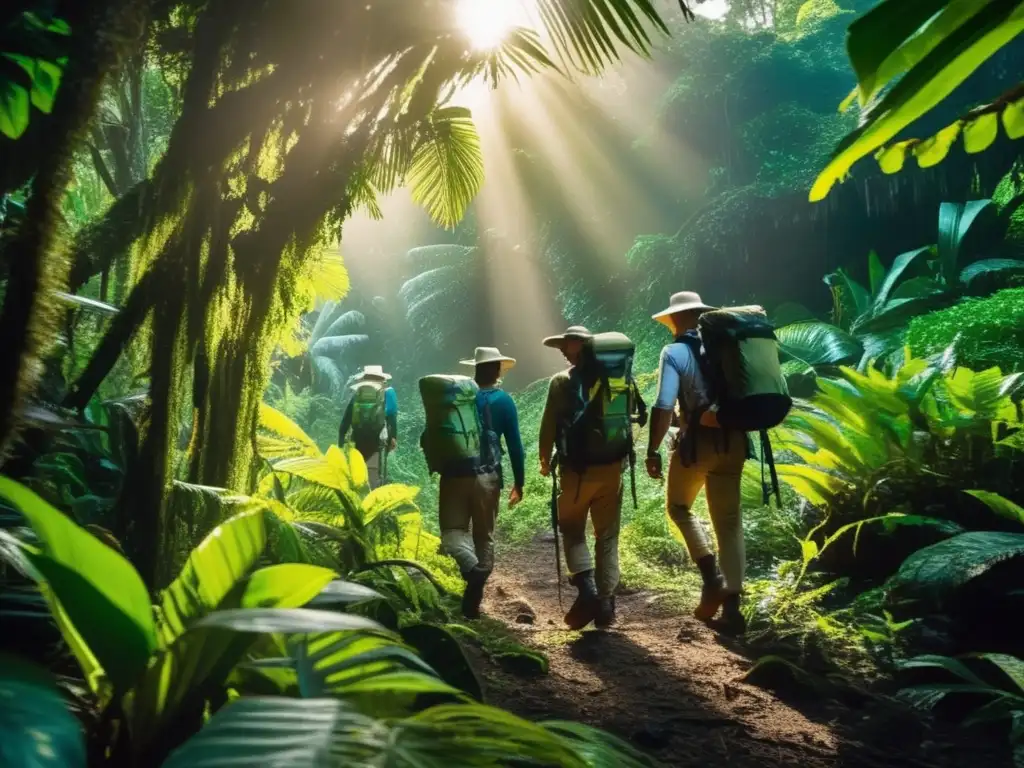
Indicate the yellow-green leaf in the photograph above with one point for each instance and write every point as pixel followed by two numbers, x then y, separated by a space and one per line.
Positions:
pixel 290 585
pixel 1013 119
pixel 892 158
pixel 389 499
pixel 933 151
pixel 980 132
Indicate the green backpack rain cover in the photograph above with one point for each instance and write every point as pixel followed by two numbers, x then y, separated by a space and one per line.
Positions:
pixel 600 428
pixel 368 413
pixel 451 440
pixel 741 362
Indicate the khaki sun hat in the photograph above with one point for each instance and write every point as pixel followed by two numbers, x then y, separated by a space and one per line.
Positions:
pixel 490 355
pixel 684 301
pixel 372 372
pixel 572 332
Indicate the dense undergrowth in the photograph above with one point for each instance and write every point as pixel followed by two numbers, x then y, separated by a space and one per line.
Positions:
pixel 193 573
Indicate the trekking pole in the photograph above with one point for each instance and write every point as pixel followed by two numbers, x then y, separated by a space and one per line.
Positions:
pixel 554 528
pixel 384 464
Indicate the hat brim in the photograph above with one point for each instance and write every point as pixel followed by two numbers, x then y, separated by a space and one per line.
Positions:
pixel 660 316
pixel 506 362
pixel 363 376
pixel 557 341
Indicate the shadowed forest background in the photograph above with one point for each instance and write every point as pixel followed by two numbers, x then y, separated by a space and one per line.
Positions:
pixel 214 213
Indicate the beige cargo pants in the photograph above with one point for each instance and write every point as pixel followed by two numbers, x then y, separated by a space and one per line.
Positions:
pixel 597 492
pixel 467 512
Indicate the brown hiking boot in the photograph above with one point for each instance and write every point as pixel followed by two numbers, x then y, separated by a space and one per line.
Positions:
pixel 732 622
pixel 712 595
pixel 605 613
pixel 585 608
pixel 473 595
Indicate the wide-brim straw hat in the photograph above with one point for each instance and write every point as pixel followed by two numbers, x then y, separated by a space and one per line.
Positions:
pixel 372 372
pixel 572 332
pixel 484 355
pixel 684 301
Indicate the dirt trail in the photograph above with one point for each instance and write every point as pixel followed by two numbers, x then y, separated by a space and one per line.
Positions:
pixel 667 684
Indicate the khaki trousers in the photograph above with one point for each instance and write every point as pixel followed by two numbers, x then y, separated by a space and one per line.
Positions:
pixel 598 491
pixel 467 511
pixel 718 469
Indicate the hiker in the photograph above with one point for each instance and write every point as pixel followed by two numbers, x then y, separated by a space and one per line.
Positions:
pixel 466 421
pixel 588 421
pixel 372 416
pixel 710 449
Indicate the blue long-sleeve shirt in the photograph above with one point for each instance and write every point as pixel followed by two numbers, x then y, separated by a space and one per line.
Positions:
pixel 504 421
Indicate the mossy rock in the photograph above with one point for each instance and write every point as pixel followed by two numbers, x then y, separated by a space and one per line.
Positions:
pixel 522 663
pixel 991 331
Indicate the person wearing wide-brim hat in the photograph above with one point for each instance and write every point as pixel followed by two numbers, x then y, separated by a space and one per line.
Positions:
pixel 593 491
pixel 716 464
pixel 372 416
pixel 468 506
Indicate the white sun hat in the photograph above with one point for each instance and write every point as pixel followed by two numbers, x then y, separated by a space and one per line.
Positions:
pixel 490 355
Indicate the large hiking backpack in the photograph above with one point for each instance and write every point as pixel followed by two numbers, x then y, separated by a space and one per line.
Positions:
pixel 739 357
pixel 452 441
pixel 368 413
pixel 605 404
pixel 741 364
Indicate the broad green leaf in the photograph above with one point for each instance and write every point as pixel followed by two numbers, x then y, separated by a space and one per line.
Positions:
pixel 981 132
pixel 389 499
pixel 933 150
pixel 951 61
pixel 932 573
pixel 876 272
pixel 90 580
pixel 1010 666
pixel 817 343
pixel 1000 505
pixel 813 484
pixel 14 109
pixel 447 169
pixel 953 666
pixel 986 268
pixel 893 157
pixel 955 221
pixel 900 265
pixel 1013 119
pixel 37 730
pixel 213 569
pixel 285 586
pixel 207 653
pixel 343 592
pixel 291 439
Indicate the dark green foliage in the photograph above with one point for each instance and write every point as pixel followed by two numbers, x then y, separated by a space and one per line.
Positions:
pixel 985 332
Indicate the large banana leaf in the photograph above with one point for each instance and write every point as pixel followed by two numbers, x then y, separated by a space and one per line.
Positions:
pixel 36 728
pixel 817 343
pixel 937 56
pixel 212 570
pixel 329 733
pixel 933 573
pixel 206 654
pixel 955 221
pixel 91 589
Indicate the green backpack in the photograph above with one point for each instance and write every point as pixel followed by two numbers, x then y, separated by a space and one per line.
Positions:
pixel 605 404
pixel 740 357
pixel 451 441
pixel 368 412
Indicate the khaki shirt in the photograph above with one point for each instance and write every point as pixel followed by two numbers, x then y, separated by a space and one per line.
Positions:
pixel 554 412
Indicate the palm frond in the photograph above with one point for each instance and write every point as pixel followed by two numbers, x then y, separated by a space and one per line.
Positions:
pixel 447 169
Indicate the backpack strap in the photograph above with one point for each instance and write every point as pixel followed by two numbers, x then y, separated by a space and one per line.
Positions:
pixel 768 458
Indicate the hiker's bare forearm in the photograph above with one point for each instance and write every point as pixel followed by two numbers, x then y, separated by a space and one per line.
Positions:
pixel 660 421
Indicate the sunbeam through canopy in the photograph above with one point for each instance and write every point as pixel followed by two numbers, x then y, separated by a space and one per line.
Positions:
pixel 487 23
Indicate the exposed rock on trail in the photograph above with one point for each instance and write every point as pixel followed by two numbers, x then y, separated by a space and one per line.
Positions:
pixel 667 684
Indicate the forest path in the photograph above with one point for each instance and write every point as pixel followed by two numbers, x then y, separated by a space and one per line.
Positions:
pixel 667 684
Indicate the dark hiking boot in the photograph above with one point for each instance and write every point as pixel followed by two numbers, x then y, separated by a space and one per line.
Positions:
pixel 473 595
pixel 732 621
pixel 605 613
pixel 584 609
pixel 712 595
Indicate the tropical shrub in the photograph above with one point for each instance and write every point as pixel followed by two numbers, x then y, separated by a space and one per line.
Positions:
pixel 984 332
pixel 870 444
pixel 231 641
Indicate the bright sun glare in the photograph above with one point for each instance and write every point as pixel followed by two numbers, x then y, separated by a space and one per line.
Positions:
pixel 487 22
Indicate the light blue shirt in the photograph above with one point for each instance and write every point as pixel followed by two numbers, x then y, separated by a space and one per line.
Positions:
pixel 680 380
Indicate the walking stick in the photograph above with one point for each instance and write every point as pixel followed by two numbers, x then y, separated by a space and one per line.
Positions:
pixel 554 527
